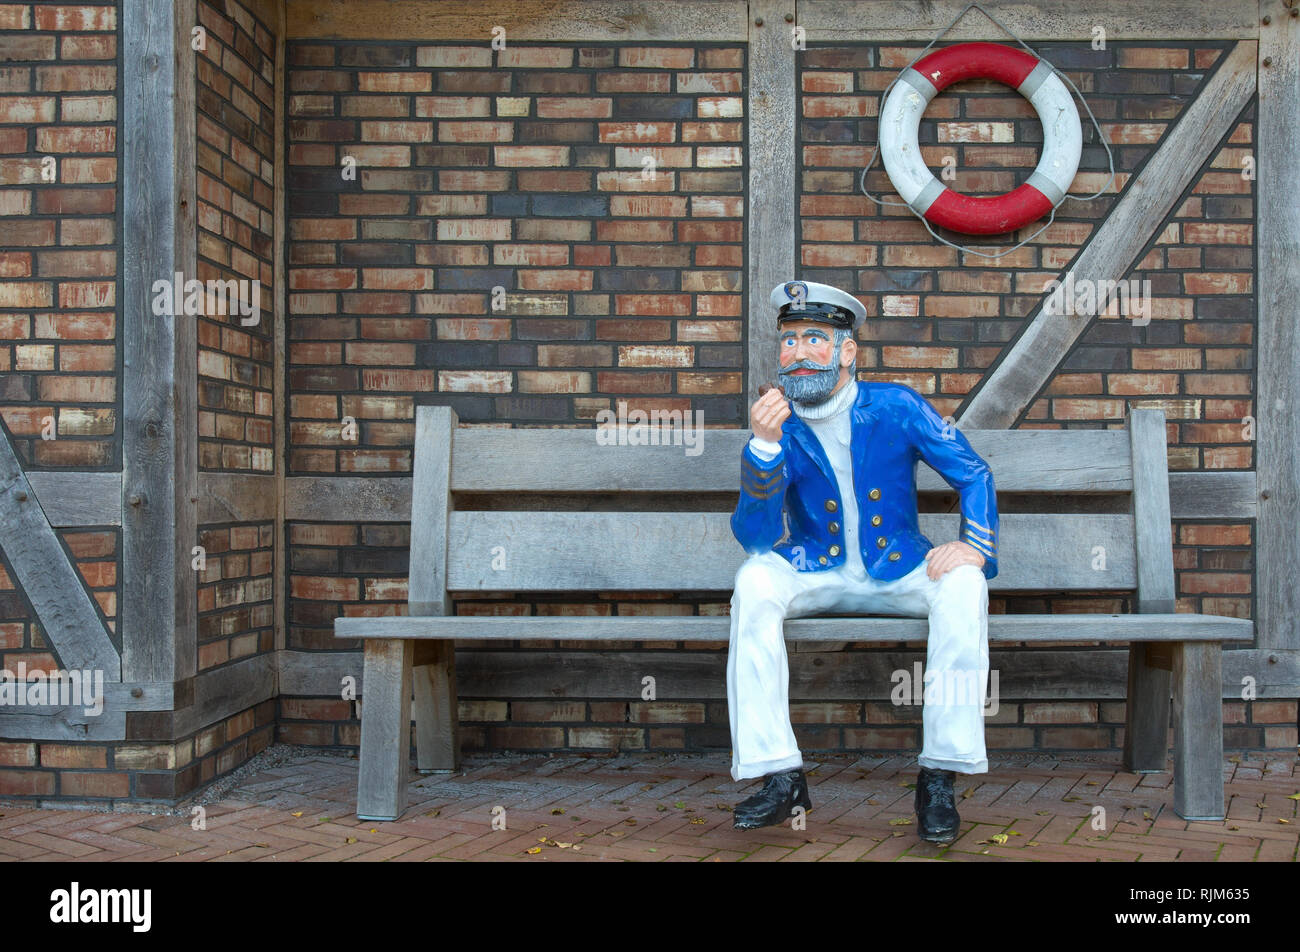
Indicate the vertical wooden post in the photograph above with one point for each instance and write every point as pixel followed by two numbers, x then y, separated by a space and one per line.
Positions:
pixel 159 357
pixel 385 729
pixel 437 722
pixel 1146 713
pixel 770 114
pixel 1277 408
pixel 1198 730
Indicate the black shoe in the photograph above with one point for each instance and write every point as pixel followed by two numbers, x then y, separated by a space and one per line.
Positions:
pixel 775 802
pixel 936 813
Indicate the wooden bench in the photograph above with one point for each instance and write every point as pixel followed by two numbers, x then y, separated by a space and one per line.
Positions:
pixel 410 660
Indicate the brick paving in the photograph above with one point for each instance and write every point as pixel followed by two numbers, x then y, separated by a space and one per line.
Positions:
pixel 652 807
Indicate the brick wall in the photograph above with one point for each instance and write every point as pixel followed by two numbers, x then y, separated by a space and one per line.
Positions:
pixel 235 125
pixel 235 156
pixel 520 169
pixel 59 335
pixel 59 339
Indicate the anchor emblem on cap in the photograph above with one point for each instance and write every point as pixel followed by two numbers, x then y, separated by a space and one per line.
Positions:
pixel 796 290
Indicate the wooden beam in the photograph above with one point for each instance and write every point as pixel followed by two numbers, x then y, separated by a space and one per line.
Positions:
pixel 565 21
pixel 1028 365
pixel 1038 674
pixel 1193 495
pixel 72 498
pixel 159 356
pixel 1277 243
pixel 46 576
pixel 236 497
pixel 770 115
pixel 892 21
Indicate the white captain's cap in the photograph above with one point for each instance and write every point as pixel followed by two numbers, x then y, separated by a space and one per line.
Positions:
pixel 810 301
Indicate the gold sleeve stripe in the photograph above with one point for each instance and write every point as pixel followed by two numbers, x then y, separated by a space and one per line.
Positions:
pixel 979 545
pixel 976 525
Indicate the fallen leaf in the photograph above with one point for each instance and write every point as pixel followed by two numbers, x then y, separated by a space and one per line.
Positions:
pixel 998 838
pixel 1091 783
pixel 901 821
pixel 1234 760
pixel 1294 796
pixel 433 813
pixel 652 850
pixel 1146 814
pixel 1014 833
pixel 1032 843
pixel 630 821
pixel 563 846
pixel 1071 799
pixel 1280 820
pixel 898 834
pixel 534 850
pixel 299 813
pixel 558 811
pixel 1042 812
pixel 874 803
pixel 577 849
pixel 351 839
pixel 725 806
pixel 680 804
pixel 660 808
pixel 374 831
pixel 1234 828
pixel 1258 804
pixel 967 792
pixel 698 820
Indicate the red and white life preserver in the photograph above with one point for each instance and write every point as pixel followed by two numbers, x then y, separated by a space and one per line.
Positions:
pixel 972 215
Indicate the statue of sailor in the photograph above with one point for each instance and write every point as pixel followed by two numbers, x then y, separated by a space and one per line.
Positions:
pixel 828 514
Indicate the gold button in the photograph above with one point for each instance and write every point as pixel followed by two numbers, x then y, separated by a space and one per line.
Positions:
pixel 875 520
pixel 834 527
pixel 894 556
pixel 821 559
pixel 874 494
pixel 830 505
pixel 834 550
pixel 881 541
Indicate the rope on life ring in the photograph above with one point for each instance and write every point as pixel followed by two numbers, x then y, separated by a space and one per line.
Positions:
pixel 1033 78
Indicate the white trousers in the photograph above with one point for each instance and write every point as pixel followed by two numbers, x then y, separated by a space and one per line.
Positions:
pixel 769 590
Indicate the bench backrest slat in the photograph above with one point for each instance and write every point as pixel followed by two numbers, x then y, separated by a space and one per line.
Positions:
pixel 496 460
pixel 677 551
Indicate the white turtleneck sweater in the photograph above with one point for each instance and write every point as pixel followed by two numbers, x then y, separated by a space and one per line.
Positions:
pixel 832 423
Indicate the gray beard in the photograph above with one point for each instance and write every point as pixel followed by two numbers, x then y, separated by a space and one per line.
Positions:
pixel 810 389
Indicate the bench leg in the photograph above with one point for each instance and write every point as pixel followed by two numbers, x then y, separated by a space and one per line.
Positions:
pixel 385 729
pixel 437 722
pixel 1198 731
pixel 1146 715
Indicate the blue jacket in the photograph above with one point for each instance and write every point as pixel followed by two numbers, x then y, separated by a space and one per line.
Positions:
pixel 893 427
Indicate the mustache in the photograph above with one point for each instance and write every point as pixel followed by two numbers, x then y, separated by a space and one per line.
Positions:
pixel 806 365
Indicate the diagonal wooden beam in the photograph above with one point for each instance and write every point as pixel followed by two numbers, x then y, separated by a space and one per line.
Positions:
pixel 46 575
pixel 1031 361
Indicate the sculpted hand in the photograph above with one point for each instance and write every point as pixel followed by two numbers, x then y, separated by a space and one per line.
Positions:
pixel 948 556
pixel 767 414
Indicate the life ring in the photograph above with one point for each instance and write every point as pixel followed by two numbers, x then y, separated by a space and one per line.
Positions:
pixel 928 197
